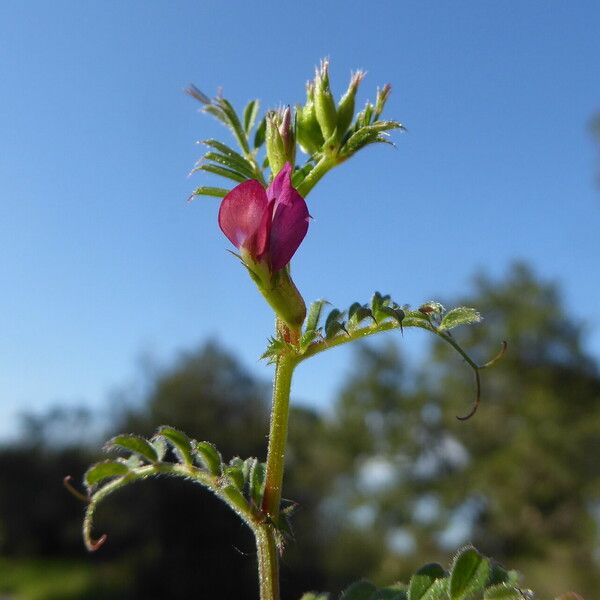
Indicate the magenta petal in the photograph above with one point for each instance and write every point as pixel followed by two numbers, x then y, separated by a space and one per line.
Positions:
pixel 280 182
pixel 241 215
pixel 290 224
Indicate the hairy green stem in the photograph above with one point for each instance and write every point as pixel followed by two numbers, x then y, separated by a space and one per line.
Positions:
pixel 268 562
pixel 319 170
pixel 278 435
pixel 268 557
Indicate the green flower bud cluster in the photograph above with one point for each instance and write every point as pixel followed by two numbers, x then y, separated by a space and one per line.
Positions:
pixel 324 128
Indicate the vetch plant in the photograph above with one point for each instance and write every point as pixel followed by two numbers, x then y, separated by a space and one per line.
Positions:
pixel 265 216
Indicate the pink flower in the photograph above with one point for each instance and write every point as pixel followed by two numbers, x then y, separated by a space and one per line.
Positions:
pixel 268 225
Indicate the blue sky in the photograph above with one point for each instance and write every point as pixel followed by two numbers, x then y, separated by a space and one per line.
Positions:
pixel 103 260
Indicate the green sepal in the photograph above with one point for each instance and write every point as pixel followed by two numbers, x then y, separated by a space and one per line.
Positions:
pixel 209 457
pixel 250 114
pixel 423 580
pixel 204 190
pixel 279 290
pixel 179 441
pixel 134 444
pixel 461 315
pixel 360 590
pixel 314 596
pixel 107 469
pixel 469 574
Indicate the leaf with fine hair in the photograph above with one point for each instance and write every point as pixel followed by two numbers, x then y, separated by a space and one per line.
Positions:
pixel 461 315
pixel 368 134
pixel 230 162
pixel 256 482
pixel 423 580
pixel 107 469
pixel 300 174
pixel 204 190
pixel 134 444
pixel 260 134
pixel 361 590
pixel 234 123
pixel 469 574
pixel 250 114
pixel 222 172
pixel 209 457
pixel 314 314
pixel 237 161
pixel 502 592
pixel 180 443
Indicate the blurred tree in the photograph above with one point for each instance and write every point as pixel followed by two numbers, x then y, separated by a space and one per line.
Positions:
pixel 521 479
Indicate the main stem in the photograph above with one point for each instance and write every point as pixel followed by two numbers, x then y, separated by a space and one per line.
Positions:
pixel 268 556
pixel 278 436
pixel 268 562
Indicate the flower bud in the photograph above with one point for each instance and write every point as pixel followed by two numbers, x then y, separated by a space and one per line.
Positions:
pixel 308 130
pixel 324 103
pixel 267 227
pixel 275 148
pixel 345 109
pixel 281 144
pixel 286 130
pixel 382 95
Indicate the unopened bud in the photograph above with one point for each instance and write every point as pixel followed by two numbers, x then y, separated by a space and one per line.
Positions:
pixel 286 131
pixel 275 147
pixel 308 130
pixel 281 144
pixel 382 95
pixel 345 109
pixel 325 109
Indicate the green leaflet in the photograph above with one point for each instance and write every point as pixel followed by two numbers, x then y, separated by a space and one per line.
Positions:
pixel 135 444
